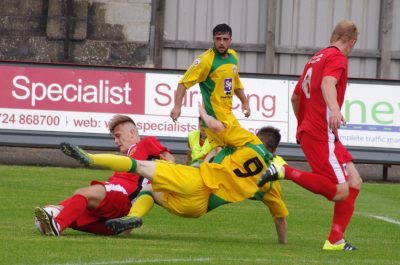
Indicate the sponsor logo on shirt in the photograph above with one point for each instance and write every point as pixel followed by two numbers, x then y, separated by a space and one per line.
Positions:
pixel 228 86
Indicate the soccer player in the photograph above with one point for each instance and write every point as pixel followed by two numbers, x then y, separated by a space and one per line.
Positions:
pixel 217 73
pixel 89 207
pixel 198 145
pixel 200 150
pixel 317 100
pixel 271 138
pixel 189 191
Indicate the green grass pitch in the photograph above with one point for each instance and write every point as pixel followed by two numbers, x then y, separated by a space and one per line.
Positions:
pixel 240 233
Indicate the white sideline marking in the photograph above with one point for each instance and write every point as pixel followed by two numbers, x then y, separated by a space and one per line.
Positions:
pixel 207 260
pixel 191 260
pixel 386 219
pixel 130 261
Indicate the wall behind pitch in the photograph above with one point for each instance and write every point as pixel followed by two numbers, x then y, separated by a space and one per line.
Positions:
pixel 301 28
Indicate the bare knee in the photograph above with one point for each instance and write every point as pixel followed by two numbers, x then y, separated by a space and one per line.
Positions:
pixel 342 191
pixel 355 181
pixel 94 194
pixel 354 178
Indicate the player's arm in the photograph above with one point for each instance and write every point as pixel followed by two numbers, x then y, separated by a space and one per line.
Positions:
pixel 244 100
pixel 176 110
pixel 167 156
pixel 189 156
pixel 280 224
pixel 210 156
pixel 329 93
pixel 212 124
pixel 295 103
pixel 281 229
pixel 295 100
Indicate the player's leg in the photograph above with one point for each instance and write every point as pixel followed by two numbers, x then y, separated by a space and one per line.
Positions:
pixel 142 205
pixel 315 183
pixel 45 219
pixel 183 194
pixel 73 208
pixel 326 169
pixel 344 170
pixel 274 172
pixel 85 198
pixel 98 228
pixel 110 161
pixel 343 210
pixel 115 204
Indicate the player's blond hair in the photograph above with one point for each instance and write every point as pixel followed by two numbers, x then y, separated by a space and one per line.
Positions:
pixel 119 119
pixel 345 30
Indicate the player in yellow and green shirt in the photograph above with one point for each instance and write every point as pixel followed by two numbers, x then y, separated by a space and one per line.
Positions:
pixel 188 191
pixel 217 73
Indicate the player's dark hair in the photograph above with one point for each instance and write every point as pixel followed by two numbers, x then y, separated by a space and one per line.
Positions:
pixel 270 136
pixel 222 28
pixel 119 119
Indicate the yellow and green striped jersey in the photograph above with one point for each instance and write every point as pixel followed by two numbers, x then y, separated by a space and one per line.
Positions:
pixel 233 175
pixel 217 77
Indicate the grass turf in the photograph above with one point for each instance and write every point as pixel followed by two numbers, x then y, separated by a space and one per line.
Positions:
pixel 240 233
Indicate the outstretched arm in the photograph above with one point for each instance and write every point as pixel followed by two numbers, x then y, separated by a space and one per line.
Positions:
pixel 281 229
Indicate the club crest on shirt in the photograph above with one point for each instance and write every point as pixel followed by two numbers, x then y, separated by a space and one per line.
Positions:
pixel 234 69
pixel 196 62
pixel 228 86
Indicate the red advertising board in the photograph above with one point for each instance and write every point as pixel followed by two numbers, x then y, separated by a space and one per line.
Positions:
pixel 67 89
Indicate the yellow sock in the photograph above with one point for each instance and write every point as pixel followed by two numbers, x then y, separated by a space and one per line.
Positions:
pixel 142 205
pixel 113 162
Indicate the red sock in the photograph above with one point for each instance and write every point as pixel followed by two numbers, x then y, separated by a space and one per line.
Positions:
pixel 98 228
pixel 73 208
pixel 341 216
pixel 313 182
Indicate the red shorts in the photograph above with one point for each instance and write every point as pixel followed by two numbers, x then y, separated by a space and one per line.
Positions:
pixel 116 204
pixel 326 158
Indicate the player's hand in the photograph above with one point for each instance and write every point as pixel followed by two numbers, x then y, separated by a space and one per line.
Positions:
pixel 335 120
pixel 246 110
pixel 175 114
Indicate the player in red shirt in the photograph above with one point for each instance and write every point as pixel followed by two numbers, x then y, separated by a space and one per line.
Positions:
pixel 89 207
pixel 317 101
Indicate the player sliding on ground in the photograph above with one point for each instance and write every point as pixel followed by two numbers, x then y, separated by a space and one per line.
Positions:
pixel 188 191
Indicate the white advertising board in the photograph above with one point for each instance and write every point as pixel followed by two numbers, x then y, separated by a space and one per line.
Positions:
pixel 66 99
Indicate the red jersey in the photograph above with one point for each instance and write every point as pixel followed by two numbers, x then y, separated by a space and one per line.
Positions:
pixel 148 147
pixel 313 113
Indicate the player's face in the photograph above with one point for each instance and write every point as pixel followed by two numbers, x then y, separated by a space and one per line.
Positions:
pixel 125 135
pixel 222 42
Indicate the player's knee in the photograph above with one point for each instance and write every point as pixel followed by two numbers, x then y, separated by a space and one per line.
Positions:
pixel 94 194
pixel 82 191
pixel 355 181
pixel 342 192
